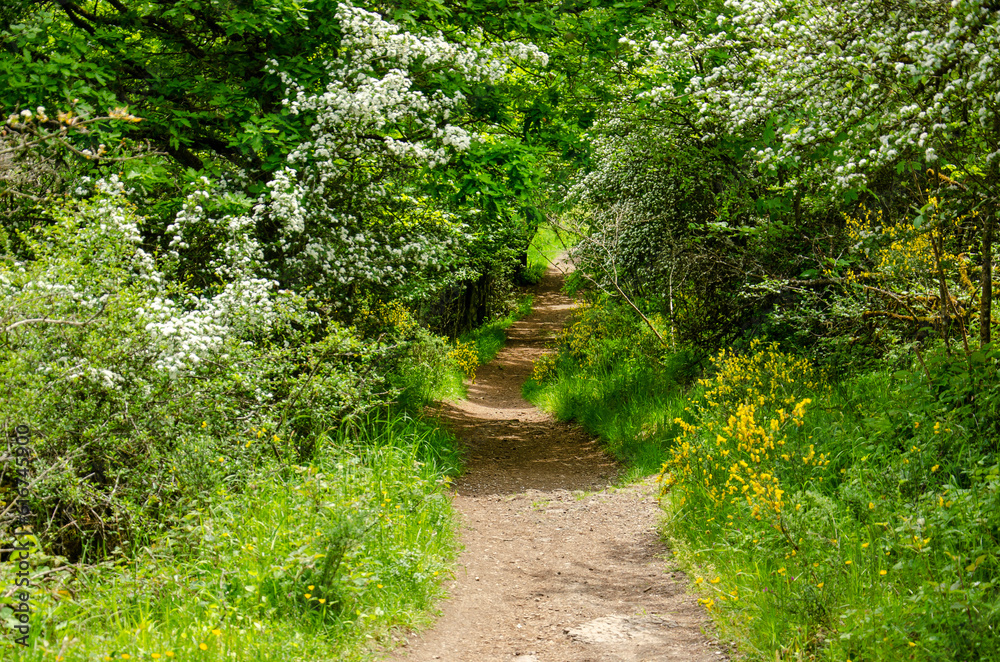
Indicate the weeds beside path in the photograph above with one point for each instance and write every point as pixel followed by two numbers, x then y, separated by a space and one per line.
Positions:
pixel 558 565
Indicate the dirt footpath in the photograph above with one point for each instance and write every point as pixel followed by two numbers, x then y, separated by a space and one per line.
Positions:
pixel 558 565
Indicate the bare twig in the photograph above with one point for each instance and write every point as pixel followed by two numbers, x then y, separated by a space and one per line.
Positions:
pixel 49 320
pixel 608 248
pixel 62 461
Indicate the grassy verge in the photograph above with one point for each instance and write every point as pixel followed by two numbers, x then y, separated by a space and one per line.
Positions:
pixel 818 520
pixel 489 339
pixel 319 561
pixel 831 521
pixel 545 246
pixel 611 375
pixel 626 407
pixel 475 348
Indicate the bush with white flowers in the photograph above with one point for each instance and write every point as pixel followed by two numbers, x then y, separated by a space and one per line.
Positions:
pixel 142 391
pixel 848 87
pixel 347 204
pixel 797 108
pixel 156 357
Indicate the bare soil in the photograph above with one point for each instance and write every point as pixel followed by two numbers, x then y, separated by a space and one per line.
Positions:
pixel 559 565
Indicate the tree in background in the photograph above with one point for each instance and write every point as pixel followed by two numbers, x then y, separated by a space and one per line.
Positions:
pixel 757 125
pixel 835 99
pixel 324 123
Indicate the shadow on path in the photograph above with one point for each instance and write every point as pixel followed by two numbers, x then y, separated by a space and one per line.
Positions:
pixel 512 446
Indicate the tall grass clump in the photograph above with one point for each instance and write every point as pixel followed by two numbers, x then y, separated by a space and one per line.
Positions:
pixel 855 520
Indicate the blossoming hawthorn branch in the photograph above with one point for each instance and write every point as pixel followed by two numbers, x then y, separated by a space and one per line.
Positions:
pixel 832 93
pixel 372 120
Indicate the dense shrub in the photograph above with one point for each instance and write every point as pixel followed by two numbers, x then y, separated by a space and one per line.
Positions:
pixel 143 393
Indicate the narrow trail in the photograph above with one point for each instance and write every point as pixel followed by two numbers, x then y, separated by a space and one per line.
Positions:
pixel 558 565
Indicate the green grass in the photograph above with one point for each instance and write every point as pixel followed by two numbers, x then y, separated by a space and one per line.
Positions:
pixel 611 376
pixel 315 562
pixel 625 407
pixel 490 337
pixel 546 245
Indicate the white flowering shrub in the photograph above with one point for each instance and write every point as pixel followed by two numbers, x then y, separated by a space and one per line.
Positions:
pixel 896 101
pixel 847 87
pixel 347 209
pixel 158 354
pixel 646 193
pixel 797 108
pixel 667 221
pixel 141 391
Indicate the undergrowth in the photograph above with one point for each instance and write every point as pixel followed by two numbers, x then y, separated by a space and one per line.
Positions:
pixel 611 374
pixel 855 520
pixel 312 561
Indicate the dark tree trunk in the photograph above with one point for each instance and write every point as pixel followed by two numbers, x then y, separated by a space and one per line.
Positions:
pixel 462 307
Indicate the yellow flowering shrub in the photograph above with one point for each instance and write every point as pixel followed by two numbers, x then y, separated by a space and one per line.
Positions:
pixel 764 376
pixel 467 357
pixel 908 260
pixel 580 337
pixel 544 368
pixel 902 252
pixel 397 315
pixel 376 317
pixel 738 450
pixel 418 360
